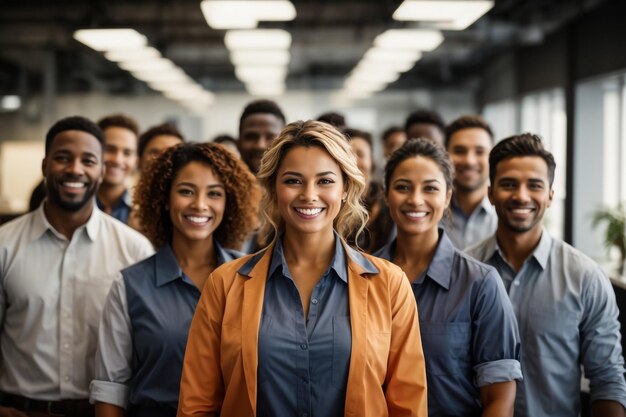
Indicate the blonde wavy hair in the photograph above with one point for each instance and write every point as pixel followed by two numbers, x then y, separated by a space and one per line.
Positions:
pixel 352 216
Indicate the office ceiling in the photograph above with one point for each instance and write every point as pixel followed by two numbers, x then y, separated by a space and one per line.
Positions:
pixel 328 38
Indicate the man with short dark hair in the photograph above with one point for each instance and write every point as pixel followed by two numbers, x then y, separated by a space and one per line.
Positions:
pixel 120 161
pixel 260 123
pixel 393 137
pixel 564 303
pixel 426 124
pixel 472 218
pixel 57 264
pixel 154 141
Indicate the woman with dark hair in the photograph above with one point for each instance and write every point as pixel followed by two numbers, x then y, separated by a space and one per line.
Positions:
pixel 195 201
pixel 309 326
pixel 469 331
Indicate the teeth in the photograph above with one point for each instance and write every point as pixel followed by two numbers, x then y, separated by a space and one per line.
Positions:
pixel 416 214
pixel 522 211
pixel 309 212
pixel 197 219
pixel 73 184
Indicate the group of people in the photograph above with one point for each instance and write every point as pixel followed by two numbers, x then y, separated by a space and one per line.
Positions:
pixel 434 291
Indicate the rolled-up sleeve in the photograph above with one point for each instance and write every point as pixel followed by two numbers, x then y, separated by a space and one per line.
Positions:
pixel 113 365
pixel 496 342
pixel 601 350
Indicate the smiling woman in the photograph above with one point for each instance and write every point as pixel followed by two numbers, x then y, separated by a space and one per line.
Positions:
pixel 194 200
pixel 350 316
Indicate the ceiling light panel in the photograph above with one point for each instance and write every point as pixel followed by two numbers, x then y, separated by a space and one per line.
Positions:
pixel 111 39
pixel 260 57
pixel 257 39
pixel 452 15
pixel 148 65
pixel 415 39
pixel 258 73
pixel 238 14
pixel 132 54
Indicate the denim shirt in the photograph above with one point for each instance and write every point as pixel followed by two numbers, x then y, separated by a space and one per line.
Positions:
pixel 121 210
pixel 567 314
pixel 304 362
pixel 144 331
pixel 469 332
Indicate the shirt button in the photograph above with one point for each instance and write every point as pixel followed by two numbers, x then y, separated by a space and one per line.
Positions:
pixel 67 378
pixel 303 346
pixel 66 346
pixel 516 283
pixel 314 301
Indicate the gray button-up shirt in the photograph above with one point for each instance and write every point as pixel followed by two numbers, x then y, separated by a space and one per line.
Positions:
pixel 469 331
pixel 303 363
pixel 464 230
pixel 143 333
pixel 51 296
pixel 567 315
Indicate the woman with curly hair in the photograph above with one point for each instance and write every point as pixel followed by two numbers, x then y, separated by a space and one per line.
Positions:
pixel 195 201
pixel 309 326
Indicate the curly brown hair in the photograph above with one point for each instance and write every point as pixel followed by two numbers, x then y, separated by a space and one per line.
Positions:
pixel 242 194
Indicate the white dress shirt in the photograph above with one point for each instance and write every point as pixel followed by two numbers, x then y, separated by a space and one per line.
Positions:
pixel 52 291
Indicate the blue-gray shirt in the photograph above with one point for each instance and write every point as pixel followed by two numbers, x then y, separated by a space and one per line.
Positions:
pixel 464 230
pixel 469 333
pixel 143 334
pixel 566 310
pixel 121 210
pixel 304 362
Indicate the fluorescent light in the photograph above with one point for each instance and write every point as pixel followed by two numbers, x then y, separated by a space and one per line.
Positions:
pixel 456 15
pixel 265 89
pixel 171 75
pixel 149 65
pixel 132 54
pixel 397 66
pixel 171 85
pixel 381 77
pixel 257 39
pixel 110 39
pixel 237 14
pixel 418 39
pixel 392 55
pixel 267 57
pixel 10 102
pixel 258 73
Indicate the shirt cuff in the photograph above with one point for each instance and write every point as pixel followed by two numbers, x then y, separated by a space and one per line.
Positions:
pixel 503 370
pixel 109 392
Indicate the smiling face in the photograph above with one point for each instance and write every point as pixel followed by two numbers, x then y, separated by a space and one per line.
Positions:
pixel 73 170
pixel 197 202
pixel 417 196
pixel 257 132
pixel 469 151
pixel 120 154
pixel 309 189
pixel 521 193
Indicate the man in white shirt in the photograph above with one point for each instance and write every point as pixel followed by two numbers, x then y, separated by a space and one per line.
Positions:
pixel 57 264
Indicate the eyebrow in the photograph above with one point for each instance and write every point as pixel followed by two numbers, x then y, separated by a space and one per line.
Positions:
pixel 424 182
pixel 190 184
pixel 320 174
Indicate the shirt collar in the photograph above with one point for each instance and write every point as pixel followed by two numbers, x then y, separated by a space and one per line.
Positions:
pixel 440 268
pixel 338 264
pixel 540 254
pixel 124 201
pixel 168 270
pixel 365 265
pixel 41 224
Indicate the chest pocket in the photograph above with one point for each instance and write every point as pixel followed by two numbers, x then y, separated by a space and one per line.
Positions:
pixel 447 347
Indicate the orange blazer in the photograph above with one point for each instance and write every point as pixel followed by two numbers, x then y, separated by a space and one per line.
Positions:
pixel 387 373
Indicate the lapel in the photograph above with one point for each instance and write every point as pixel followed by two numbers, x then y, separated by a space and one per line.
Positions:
pixel 358 286
pixel 253 294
